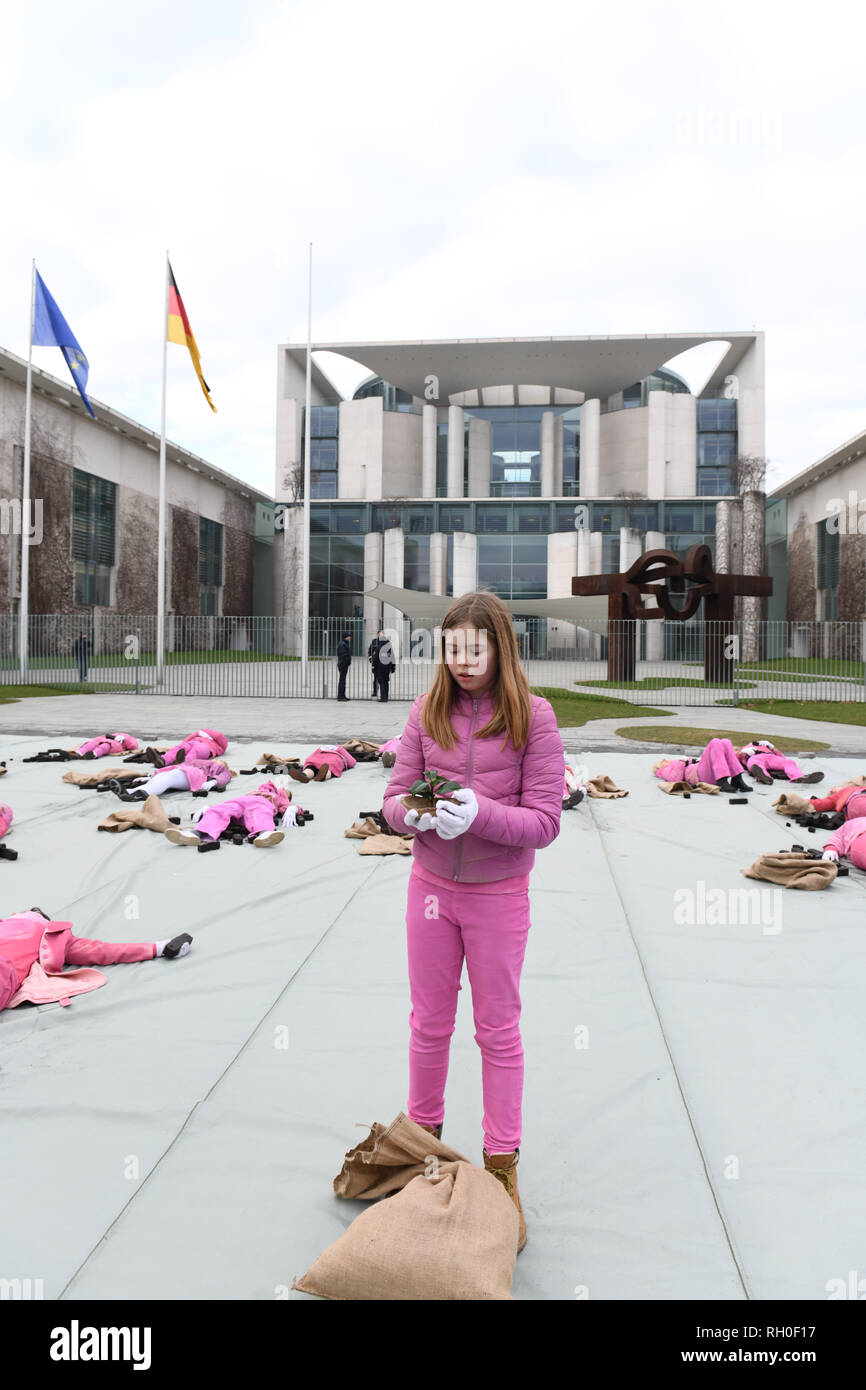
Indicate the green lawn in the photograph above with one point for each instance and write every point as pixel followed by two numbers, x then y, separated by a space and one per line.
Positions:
pixel 658 683
pixel 572 709
pixel 10 694
pixel 805 666
pixel 830 711
pixel 181 658
pixel 698 738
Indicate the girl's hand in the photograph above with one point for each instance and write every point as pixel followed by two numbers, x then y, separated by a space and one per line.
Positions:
pixel 831 855
pixel 289 817
pixel 453 820
pixel 425 822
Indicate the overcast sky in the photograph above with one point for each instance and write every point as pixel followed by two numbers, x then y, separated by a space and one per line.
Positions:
pixel 463 170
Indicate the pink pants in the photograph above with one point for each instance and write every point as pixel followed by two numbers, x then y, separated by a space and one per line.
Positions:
pixel 719 759
pixel 774 762
pixel 80 951
pixel 195 748
pixel 857 852
pixel 488 925
pixel 256 815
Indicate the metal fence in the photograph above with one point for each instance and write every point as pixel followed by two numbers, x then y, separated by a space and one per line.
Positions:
pixel 651 663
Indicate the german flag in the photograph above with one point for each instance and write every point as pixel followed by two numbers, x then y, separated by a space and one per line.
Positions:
pixel 179 331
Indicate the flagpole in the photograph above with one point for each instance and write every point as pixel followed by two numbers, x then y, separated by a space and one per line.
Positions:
pixel 160 559
pixel 23 606
pixel 307 431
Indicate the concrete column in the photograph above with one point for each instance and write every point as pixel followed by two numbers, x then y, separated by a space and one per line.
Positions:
pixel 722 564
pixel 590 434
pixel 465 562
pixel 655 637
pixel 589 562
pixel 596 552
pixel 656 482
pixel 428 451
pixel 558 440
pixel 455 451
pixel 548 450
pixel 392 573
pixel 561 568
pixel 439 563
pixel 373 547
pixel 479 457
pixel 749 387
pixel 754 515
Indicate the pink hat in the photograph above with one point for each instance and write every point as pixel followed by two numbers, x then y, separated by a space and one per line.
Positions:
pixel 5 819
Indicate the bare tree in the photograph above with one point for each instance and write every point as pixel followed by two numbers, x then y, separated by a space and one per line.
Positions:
pixel 293 481
pixel 748 473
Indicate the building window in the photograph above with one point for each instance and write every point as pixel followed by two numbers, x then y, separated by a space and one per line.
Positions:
pixel 716 446
pixel 513 566
pixel 828 571
pixel 324 449
pixel 416 563
pixel 453 519
pixel 210 565
pixel 94 510
pixel 336 576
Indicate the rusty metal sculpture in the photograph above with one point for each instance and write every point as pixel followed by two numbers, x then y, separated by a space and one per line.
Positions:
pixel 661 574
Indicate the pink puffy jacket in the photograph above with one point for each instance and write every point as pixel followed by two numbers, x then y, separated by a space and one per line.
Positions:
pixel 519 791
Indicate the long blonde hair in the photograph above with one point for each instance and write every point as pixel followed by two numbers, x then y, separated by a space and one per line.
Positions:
pixel 486 612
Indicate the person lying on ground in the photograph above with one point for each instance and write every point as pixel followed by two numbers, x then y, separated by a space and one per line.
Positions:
pixel 204 743
pixel 848 800
pixel 193 775
pixel 259 813
pixel 848 842
pixel 34 951
pixel 767 764
pixel 718 763
pixel 329 760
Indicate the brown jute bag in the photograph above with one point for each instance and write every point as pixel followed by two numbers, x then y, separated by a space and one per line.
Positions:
pixel 603 786
pixel 386 844
pixel 791 804
pixel 678 788
pixel 91 779
pixel 793 871
pixel 448 1233
pixel 149 815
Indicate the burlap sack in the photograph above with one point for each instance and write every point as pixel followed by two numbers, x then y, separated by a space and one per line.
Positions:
pixel 449 1233
pixel 92 779
pixel 793 871
pixel 387 844
pixel 362 745
pixel 677 788
pixel 278 760
pixel 791 804
pixel 149 814
pixel 603 786
pixel 362 829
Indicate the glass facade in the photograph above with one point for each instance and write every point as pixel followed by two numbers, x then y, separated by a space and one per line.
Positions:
pixel 324 450
pixel 515 447
pixel 336 575
pixel 716 445
pixel 393 397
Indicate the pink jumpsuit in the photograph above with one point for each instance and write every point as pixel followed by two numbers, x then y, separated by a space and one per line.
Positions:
pixel 333 756
pixel 21 937
pixel 105 744
pixel 258 812
pixel 719 759
pixel 769 760
pixel 204 743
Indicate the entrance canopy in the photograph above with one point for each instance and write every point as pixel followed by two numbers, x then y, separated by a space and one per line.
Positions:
pixel 428 610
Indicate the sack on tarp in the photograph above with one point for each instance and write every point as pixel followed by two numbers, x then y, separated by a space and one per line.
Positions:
pixel 793 871
pixel 150 815
pixel 680 788
pixel 791 804
pixel 604 786
pixel 449 1233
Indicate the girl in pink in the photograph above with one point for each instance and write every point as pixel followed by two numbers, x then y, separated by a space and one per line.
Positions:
pixel 389 751
pixel 330 760
pixel 848 841
pixel 204 743
pixel 5 823
pixel 34 951
pixel 105 744
pixel 260 813
pixel 763 759
pixel 850 799
pixel 193 775
pixel 478 725
pixel 718 763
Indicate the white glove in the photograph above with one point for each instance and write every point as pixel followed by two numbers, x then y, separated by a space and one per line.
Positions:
pixel 456 820
pixel 208 786
pixel 832 855
pixel 290 816
pixel 424 822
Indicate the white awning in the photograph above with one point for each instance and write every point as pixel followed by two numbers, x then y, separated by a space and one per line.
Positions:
pixel 428 610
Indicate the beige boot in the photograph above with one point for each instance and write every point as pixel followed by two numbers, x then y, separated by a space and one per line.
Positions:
pixel 435 1130
pixel 504 1168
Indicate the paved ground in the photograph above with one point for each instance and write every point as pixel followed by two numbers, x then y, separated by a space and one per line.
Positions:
pixel 155 717
pixel 694 1124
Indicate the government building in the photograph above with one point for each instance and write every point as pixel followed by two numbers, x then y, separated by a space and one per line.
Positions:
pixel 509 464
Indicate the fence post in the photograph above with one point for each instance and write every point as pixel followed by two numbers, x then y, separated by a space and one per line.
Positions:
pixel 138 661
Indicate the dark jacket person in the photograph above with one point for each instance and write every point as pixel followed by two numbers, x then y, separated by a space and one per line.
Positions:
pixel 344 661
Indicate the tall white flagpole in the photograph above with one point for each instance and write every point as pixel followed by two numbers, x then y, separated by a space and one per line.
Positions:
pixel 23 606
pixel 160 559
pixel 307 413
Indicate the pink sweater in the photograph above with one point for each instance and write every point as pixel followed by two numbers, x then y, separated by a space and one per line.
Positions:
pixel 842 839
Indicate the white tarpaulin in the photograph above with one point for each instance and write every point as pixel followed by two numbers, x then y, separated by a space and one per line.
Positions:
pixel 427 610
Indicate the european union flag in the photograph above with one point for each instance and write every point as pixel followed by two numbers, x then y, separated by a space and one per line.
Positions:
pixel 50 329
